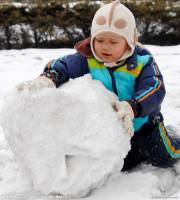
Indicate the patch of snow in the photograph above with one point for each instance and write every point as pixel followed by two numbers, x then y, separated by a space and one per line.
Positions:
pixel 144 182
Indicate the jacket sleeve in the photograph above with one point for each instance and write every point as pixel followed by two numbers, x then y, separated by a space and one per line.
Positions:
pixel 62 69
pixel 149 90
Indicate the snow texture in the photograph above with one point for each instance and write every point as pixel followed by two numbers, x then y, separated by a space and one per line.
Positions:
pixel 142 183
pixel 68 140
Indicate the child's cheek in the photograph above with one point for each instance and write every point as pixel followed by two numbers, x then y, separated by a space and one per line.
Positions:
pixel 116 51
pixel 96 46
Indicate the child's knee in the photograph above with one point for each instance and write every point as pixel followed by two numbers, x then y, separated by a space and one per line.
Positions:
pixel 154 147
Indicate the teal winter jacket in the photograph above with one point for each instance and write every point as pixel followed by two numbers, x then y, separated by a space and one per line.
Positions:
pixel 138 81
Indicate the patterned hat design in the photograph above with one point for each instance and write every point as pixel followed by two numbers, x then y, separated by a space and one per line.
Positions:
pixel 116 18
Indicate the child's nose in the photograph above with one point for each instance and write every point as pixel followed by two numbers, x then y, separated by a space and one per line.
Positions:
pixel 105 46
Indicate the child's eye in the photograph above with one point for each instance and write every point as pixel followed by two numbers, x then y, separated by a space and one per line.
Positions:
pixel 114 42
pixel 99 40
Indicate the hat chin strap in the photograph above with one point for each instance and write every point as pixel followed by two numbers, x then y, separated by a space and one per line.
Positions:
pixel 114 64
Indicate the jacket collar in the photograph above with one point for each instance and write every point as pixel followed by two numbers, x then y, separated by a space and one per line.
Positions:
pixel 83 47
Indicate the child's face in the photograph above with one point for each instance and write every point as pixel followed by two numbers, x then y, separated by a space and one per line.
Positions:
pixel 110 47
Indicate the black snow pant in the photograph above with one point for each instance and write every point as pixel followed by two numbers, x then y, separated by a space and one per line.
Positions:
pixel 153 144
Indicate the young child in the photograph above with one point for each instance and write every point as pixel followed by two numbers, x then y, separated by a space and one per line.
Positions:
pixel 113 56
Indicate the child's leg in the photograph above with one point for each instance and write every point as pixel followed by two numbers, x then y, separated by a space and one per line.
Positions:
pixel 153 144
pixel 134 157
pixel 159 147
pixel 139 148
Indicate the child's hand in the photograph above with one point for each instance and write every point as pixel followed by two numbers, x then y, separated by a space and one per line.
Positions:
pixel 36 84
pixel 126 114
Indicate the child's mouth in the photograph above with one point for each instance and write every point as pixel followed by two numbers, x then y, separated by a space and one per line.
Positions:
pixel 106 54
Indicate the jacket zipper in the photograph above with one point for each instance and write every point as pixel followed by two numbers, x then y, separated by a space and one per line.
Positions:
pixel 113 80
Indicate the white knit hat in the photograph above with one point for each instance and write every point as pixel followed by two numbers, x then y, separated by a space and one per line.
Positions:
pixel 115 17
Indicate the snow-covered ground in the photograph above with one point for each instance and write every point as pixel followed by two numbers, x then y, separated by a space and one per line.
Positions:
pixel 145 182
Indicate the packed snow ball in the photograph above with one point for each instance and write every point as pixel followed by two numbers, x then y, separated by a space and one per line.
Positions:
pixel 67 140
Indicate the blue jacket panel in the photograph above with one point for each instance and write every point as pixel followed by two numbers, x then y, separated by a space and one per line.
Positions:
pixel 66 67
pixel 150 89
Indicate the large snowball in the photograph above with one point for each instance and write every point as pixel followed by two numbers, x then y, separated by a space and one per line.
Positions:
pixel 69 139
